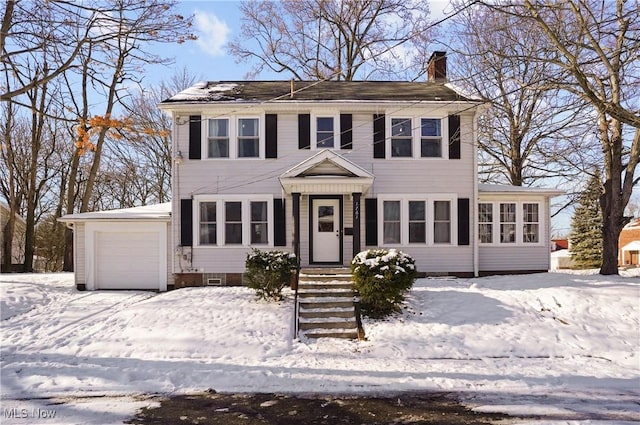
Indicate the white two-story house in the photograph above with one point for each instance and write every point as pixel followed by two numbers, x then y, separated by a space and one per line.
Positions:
pixel 324 170
pixel 327 169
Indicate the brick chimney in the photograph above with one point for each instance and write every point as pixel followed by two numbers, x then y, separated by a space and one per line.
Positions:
pixel 437 67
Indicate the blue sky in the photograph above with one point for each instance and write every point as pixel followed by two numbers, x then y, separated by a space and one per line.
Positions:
pixel 217 22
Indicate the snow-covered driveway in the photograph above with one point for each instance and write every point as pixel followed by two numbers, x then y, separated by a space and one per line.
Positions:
pixel 565 346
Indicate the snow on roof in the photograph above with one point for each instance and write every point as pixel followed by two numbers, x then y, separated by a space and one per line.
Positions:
pixel 503 188
pixel 146 212
pixel 632 246
pixel 206 91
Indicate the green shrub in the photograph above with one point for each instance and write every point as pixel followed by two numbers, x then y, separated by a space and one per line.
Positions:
pixel 270 271
pixel 382 277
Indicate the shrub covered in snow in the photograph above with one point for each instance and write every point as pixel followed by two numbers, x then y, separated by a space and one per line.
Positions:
pixel 270 271
pixel 382 277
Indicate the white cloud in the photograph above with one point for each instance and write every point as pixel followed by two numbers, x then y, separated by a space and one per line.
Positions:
pixel 212 33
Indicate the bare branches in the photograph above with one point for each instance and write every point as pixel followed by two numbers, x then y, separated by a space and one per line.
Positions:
pixel 330 39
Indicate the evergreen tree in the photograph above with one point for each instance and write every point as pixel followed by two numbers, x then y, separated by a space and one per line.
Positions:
pixel 586 227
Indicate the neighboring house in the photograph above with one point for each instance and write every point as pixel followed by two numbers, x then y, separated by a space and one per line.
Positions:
pixel 17 246
pixel 327 169
pixel 629 244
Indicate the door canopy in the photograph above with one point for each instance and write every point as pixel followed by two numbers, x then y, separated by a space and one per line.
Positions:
pixel 326 172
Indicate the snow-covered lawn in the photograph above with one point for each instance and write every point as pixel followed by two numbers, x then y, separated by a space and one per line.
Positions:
pixel 563 345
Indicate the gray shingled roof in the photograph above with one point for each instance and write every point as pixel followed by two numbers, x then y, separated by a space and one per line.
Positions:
pixel 261 91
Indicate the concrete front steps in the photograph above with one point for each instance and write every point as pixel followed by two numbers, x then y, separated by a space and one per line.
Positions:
pixel 325 304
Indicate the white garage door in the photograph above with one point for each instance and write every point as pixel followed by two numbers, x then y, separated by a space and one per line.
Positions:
pixel 128 260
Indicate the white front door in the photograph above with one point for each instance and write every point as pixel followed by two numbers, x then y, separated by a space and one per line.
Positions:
pixel 326 230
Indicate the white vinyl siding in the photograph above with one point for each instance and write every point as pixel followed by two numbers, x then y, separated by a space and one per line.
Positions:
pixel 246 179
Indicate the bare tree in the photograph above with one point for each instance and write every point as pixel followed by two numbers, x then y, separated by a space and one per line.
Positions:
pixel 334 39
pixel 529 133
pixel 595 46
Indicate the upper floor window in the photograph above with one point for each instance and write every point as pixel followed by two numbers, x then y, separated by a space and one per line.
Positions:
pixel 430 138
pixel 248 138
pixel 233 138
pixel 218 138
pixel 401 137
pixel 325 132
pixel 415 137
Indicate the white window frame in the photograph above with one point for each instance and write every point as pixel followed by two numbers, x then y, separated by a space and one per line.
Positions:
pixel 416 137
pixel 336 130
pixel 233 138
pixel 220 201
pixel 519 223
pixel 429 200
pixel 208 137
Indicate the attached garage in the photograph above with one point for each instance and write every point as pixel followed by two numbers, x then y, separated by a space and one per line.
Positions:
pixel 122 249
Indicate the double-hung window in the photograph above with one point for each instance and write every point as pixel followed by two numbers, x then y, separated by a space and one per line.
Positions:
pixel 325 132
pixel 416 137
pixel 232 138
pixel 391 222
pixel 485 222
pixel 441 222
pixel 531 223
pixel 233 223
pixel 208 223
pixel 248 138
pixel 259 223
pixel 415 220
pixel 509 223
pixel 401 138
pixel 234 220
pixel 431 138
pixel 218 138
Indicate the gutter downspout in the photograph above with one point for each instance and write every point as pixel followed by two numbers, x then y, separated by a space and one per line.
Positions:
pixel 473 221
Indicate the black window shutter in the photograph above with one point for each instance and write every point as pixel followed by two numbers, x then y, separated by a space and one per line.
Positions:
pixel 371 221
pixel 279 223
pixel 463 221
pixel 186 222
pixel 271 135
pixel 195 136
pixel 346 131
pixel 378 135
pixel 454 136
pixel 304 131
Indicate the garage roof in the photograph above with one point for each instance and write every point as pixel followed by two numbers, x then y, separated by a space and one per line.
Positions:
pixel 161 212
